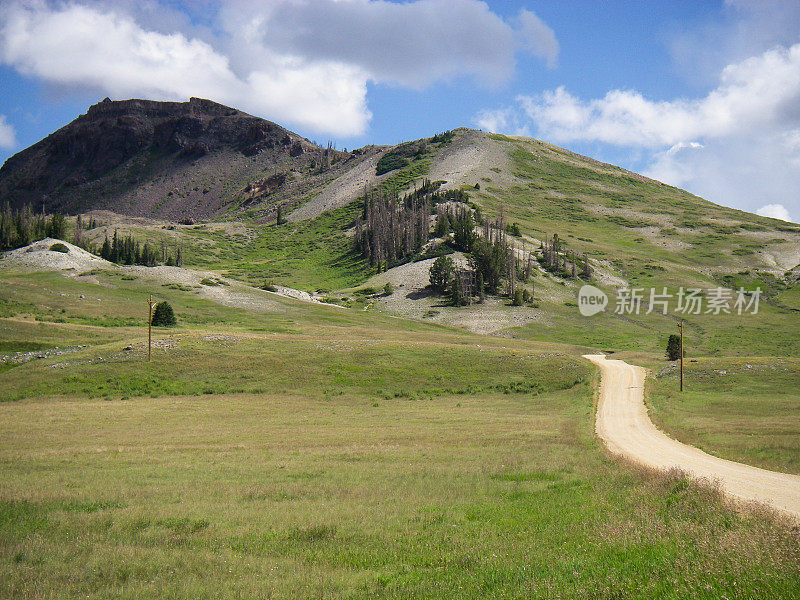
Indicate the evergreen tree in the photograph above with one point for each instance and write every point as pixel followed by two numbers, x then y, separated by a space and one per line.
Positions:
pixel 587 270
pixel 115 249
pixel 674 347
pixel 489 259
pixel 456 293
pixel 163 315
pixel 463 230
pixel 57 227
pixel 442 223
pixel 441 273
pixel 105 250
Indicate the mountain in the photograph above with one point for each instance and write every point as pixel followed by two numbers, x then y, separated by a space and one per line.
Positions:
pixel 150 169
pixel 177 160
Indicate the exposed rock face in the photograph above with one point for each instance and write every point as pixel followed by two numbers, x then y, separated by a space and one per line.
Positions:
pixel 141 157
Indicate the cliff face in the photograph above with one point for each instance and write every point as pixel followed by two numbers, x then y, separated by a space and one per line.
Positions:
pixel 151 158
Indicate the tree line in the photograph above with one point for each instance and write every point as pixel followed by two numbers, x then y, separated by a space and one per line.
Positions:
pixel 20 227
pixel 392 230
pixel 128 251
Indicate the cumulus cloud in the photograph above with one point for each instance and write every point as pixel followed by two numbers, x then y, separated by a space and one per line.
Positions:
pixel 504 120
pixel 294 61
pixel 84 46
pixel 758 92
pixel 775 211
pixel 742 29
pixel 413 44
pixel 537 37
pixel 8 136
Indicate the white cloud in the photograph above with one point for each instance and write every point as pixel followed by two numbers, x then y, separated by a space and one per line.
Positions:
pixel 742 29
pixel 504 120
pixel 775 211
pixel 77 45
pixel 292 61
pixel 536 36
pixel 761 91
pixel 683 146
pixel 412 44
pixel 8 136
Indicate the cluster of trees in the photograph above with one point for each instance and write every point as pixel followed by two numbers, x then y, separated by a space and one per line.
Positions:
pixel 460 285
pixel 390 230
pixel 459 222
pixel 557 259
pixel 22 227
pixel 128 251
pixel 494 262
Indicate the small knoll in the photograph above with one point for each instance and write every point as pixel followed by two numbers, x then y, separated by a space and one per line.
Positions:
pixel 39 257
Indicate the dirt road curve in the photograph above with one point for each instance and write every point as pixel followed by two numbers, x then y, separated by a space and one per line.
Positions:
pixel 626 429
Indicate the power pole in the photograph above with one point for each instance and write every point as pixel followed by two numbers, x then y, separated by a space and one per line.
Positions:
pixel 150 325
pixel 680 326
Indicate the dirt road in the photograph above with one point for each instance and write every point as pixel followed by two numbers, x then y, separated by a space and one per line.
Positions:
pixel 626 429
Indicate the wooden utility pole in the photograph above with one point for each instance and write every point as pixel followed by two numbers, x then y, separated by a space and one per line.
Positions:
pixel 150 325
pixel 680 326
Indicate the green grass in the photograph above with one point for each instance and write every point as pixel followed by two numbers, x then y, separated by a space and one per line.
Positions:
pixel 743 409
pixel 296 495
pixel 307 255
pixel 307 451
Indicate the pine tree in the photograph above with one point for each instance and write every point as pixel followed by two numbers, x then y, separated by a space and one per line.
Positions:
pixel 441 273
pixel 115 249
pixel 456 293
pixel 587 270
pixel 463 230
pixel 105 250
pixel 163 315
pixel 78 235
pixel 674 347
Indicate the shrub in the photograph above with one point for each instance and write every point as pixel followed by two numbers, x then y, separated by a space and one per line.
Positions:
pixel 281 219
pixel 59 247
pixel 518 299
pixel 388 289
pixel 365 291
pixel 269 286
pixel 163 315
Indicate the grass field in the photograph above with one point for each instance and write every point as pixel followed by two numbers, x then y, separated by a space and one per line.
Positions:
pixel 311 452
pixel 742 409
pixel 296 496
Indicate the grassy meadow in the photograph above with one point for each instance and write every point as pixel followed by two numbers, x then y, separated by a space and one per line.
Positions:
pixel 744 409
pixel 302 451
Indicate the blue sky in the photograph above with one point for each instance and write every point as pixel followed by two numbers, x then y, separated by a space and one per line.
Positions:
pixel 697 94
